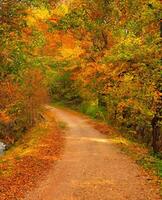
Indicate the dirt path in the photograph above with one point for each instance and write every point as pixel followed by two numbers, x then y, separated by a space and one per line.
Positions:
pixel 92 168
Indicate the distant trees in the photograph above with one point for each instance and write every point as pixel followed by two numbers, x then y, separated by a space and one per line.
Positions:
pixel 119 73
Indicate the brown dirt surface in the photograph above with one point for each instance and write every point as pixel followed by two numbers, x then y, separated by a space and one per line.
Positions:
pixel 92 168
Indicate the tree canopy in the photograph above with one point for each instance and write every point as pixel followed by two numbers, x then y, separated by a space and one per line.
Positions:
pixel 104 56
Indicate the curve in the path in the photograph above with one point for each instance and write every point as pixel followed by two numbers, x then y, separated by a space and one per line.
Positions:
pixel 92 168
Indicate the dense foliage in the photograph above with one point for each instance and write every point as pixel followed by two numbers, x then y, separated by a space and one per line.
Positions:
pixel 100 55
pixel 118 75
pixel 22 85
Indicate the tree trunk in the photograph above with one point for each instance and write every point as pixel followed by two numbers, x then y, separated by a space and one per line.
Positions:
pixel 155 134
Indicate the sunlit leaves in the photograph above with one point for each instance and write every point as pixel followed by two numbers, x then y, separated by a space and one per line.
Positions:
pixel 97 52
pixel 127 49
pixel 61 10
pixel 34 15
pixel 120 64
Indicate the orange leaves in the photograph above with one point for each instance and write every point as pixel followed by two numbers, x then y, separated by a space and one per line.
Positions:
pixel 86 44
pixel 21 103
pixel 42 26
pixel 53 19
pixel 36 14
pixel 68 41
pixel 30 159
pixel 62 45
pixel 35 92
pixel 4 118
pixel 27 31
pixel 9 93
pixel 53 40
pixel 12 34
pixel 90 71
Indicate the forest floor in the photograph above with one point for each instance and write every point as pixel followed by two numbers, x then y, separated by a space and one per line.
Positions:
pixel 30 158
pixel 92 167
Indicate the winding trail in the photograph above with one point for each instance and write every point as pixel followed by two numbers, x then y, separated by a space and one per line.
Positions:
pixel 92 168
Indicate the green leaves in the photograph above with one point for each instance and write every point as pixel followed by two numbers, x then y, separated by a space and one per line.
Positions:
pixel 75 19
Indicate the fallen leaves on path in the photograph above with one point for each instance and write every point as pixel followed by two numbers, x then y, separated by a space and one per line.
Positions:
pixel 23 169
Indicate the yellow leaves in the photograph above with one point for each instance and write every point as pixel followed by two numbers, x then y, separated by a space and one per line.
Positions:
pixel 71 52
pixel 61 10
pixel 41 13
pixel 128 78
pixel 91 69
pixel 68 48
pixel 31 21
pixel 131 43
pixel 132 40
pixel 120 140
pixel 36 14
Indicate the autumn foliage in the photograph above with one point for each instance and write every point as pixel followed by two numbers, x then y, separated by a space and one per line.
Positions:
pixel 117 75
pixel 101 56
pixel 21 104
pixel 23 89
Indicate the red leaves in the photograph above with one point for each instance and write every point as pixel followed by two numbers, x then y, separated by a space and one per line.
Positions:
pixel 53 19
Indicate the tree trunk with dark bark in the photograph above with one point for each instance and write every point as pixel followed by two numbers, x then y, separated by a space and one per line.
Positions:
pixel 155 134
